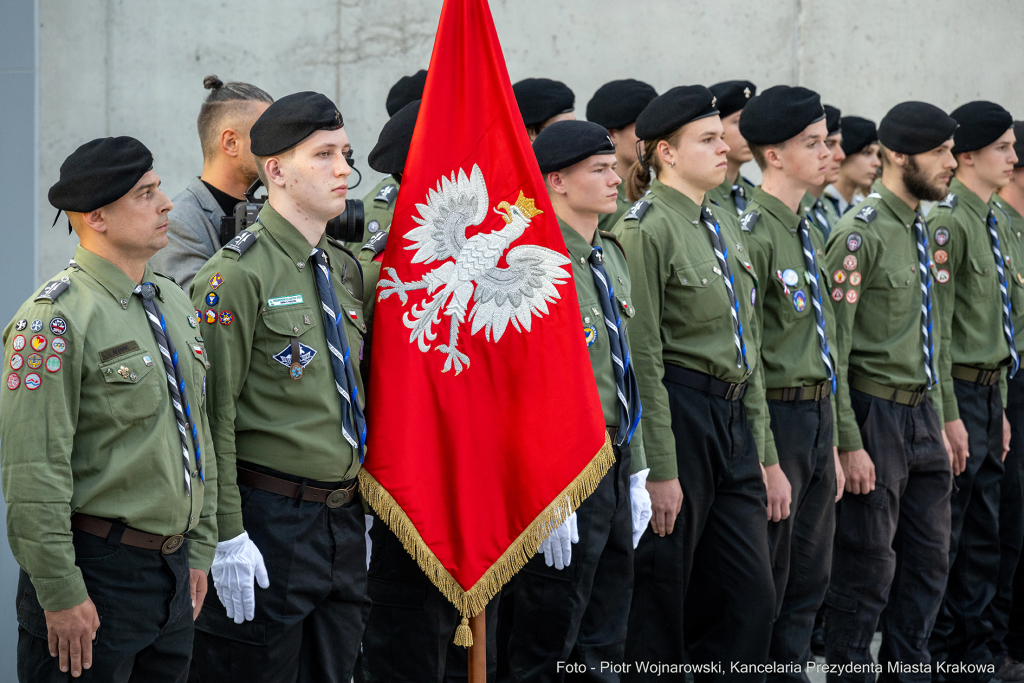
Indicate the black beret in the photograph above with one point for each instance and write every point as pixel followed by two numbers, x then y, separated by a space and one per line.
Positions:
pixel 617 104
pixel 673 110
pixel 732 96
pixel 565 143
pixel 99 173
pixel 1018 147
pixel 780 113
pixel 915 128
pixel 858 133
pixel 539 99
pixel 290 120
pixel 407 89
pixel 981 124
pixel 392 148
pixel 833 119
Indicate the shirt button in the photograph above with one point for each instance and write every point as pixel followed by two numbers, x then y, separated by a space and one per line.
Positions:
pixel 295 330
pixel 124 303
pixel 583 261
pixel 300 264
pixel 194 475
pixel 621 281
pixel 133 377
pixel 703 280
pixel 191 519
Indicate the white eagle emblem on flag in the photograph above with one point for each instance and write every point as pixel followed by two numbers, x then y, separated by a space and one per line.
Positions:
pixel 470 271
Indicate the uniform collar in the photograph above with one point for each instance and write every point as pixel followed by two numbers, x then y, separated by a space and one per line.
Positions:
pixel 1005 206
pixel 778 210
pixel 677 201
pixel 904 214
pixel 967 197
pixel 113 279
pixel 578 248
pixel 621 189
pixel 285 234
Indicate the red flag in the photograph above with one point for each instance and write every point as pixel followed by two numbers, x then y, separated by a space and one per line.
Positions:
pixel 485 427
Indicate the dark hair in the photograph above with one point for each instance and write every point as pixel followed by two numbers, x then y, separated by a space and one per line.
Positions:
pixel 638 178
pixel 224 98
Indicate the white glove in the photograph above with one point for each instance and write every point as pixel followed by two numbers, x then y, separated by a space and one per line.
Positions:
pixel 234 565
pixel 369 543
pixel 557 547
pixel 639 503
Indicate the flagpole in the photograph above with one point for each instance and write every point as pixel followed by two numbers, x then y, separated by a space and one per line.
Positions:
pixel 478 650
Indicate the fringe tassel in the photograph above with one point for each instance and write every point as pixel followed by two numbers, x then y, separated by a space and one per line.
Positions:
pixel 514 558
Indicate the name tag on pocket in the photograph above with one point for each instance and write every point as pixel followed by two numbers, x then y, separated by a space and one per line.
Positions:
pixel 285 300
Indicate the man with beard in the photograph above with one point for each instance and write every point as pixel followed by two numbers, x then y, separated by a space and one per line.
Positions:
pixel 816 207
pixel 892 525
pixel 978 344
pixel 228 170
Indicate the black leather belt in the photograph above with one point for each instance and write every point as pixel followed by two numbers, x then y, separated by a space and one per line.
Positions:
pixel 333 498
pixel 966 373
pixel 815 393
pixel 706 383
pixel 97 526
pixel 901 396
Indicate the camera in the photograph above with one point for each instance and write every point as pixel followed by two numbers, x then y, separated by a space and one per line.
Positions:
pixel 347 227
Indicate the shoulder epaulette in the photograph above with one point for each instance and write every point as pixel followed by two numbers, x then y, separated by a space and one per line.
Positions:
pixel 241 242
pixel 387 194
pixel 610 236
pixel 636 212
pixel 749 220
pixel 867 214
pixel 166 276
pixel 949 201
pixel 376 243
pixel 53 289
pixel 873 195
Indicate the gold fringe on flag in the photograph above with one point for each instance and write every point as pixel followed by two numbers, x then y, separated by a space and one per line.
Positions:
pixel 515 557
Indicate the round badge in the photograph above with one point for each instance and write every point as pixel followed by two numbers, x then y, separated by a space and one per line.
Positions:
pixel 58 345
pixel 226 318
pixel 799 300
pixel 850 262
pixel 34 360
pixel 942 276
pixel 17 360
pixel 854 241
pixel 839 276
pixel 58 326
pixel 837 294
pixel 13 381
pixel 53 364
pixel 211 316
pixel 851 296
pixel 372 227
pixel 212 299
pixel 855 278
pixel 296 371
pixel 21 324
pixel 790 277
pixel 941 236
pixel 39 342
pixel 18 343
pixel 941 256
pixel 32 381
pixel 37 325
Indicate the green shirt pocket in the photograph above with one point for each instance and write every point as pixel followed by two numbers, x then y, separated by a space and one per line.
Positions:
pixel 985 281
pixel 902 300
pixel 280 326
pixel 133 389
pixel 703 296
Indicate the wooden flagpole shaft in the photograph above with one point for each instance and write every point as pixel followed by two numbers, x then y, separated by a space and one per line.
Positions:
pixel 478 650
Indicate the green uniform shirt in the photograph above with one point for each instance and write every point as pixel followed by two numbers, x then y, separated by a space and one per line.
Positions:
pixel 829 209
pixel 876 287
pixel 257 411
pixel 607 221
pixel 595 330
pixel 378 210
pixel 790 347
pixel 1012 243
pixel 967 287
pixel 683 315
pixel 87 425
pixel 724 196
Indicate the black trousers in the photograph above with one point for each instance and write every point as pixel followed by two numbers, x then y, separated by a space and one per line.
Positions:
pixel 577 615
pixel 963 629
pixel 145 609
pixel 309 622
pixel 801 545
pixel 1014 639
pixel 710 578
pixel 892 544
pixel 1011 522
pixel 409 633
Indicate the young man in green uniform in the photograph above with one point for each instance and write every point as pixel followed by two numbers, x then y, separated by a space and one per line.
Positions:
pixel 543 101
pixel 1007 607
pixel 892 525
pixel 786 130
pixel 282 315
pixel 106 450
pixel 705 570
pixel 815 206
pixel 860 167
pixel 979 353
pixel 735 191
pixel 615 106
